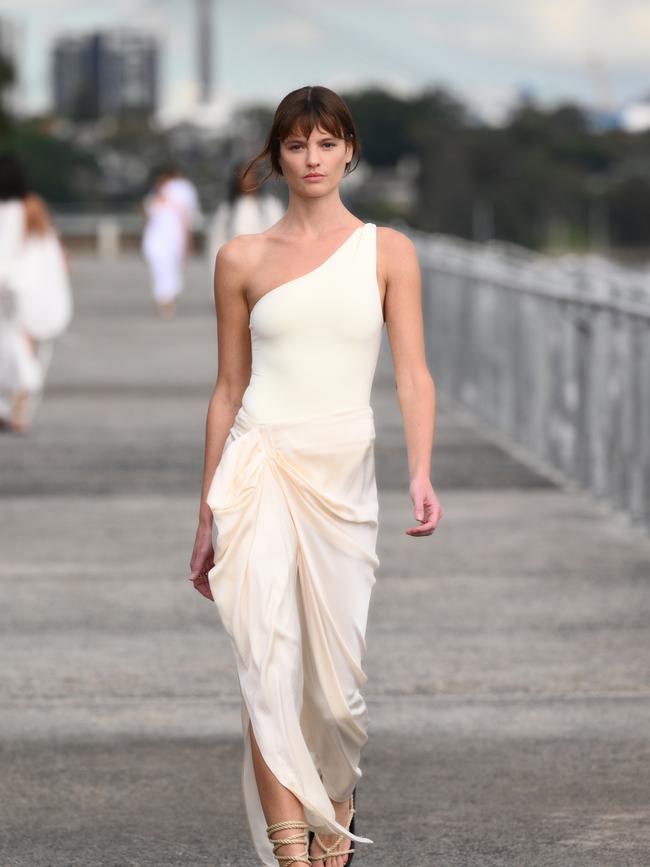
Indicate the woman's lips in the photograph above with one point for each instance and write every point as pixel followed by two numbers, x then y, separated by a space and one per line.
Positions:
pixel 313 177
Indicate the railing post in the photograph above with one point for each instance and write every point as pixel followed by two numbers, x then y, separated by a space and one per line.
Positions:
pixel 108 238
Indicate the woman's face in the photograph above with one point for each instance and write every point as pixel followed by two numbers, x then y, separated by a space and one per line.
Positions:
pixel 322 155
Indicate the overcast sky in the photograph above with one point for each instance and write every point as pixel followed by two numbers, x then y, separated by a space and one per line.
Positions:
pixel 485 50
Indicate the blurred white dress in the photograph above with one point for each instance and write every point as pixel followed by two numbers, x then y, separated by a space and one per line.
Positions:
pixel 294 499
pixel 182 193
pixel 35 297
pixel 171 214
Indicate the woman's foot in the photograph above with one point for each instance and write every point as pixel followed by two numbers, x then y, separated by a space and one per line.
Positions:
pixel 343 813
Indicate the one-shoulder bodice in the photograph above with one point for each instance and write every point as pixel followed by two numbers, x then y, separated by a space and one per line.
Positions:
pixel 316 339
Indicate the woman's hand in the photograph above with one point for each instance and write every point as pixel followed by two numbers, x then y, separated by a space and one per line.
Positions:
pixel 202 560
pixel 426 507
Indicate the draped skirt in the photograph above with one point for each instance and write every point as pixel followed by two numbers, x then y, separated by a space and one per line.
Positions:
pixel 296 512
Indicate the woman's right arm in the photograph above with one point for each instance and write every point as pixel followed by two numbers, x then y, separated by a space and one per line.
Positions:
pixel 233 375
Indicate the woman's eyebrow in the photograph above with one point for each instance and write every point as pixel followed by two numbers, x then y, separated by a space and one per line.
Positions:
pixel 293 138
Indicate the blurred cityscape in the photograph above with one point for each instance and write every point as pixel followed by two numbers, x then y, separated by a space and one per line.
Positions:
pixel 568 177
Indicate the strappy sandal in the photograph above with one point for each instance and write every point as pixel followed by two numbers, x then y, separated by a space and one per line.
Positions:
pixel 299 837
pixel 331 851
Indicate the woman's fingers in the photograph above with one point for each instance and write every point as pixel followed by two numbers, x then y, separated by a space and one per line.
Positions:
pixel 201 561
pixel 423 530
pixel 428 515
pixel 202 584
pixel 200 565
pixel 200 571
pixel 426 508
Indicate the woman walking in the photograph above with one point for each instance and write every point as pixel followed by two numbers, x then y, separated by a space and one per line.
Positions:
pixel 289 477
pixel 35 296
pixel 171 210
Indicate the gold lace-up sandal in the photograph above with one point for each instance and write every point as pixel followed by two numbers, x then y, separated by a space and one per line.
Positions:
pixel 332 851
pixel 299 837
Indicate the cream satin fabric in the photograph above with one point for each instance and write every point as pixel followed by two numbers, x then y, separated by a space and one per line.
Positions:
pixel 295 506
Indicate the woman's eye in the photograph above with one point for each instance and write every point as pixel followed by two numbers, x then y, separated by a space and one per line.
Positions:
pixel 328 144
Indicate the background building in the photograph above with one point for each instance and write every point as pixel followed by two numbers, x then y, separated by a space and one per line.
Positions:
pixel 9 42
pixel 105 74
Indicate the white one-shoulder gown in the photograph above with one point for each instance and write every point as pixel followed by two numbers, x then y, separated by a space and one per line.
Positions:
pixel 294 499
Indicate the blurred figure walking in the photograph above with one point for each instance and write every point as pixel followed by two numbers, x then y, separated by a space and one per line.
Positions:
pixel 172 211
pixel 243 212
pixel 35 296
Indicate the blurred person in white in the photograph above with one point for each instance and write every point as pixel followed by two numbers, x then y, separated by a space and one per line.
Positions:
pixel 244 212
pixel 172 211
pixel 35 296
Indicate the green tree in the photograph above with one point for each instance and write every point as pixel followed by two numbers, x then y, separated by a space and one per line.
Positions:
pixel 58 170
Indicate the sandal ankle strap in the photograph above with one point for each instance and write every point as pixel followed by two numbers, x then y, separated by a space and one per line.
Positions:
pixel 290 823
pixel 299 837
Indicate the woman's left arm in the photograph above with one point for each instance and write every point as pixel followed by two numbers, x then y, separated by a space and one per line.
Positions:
pixel 399 270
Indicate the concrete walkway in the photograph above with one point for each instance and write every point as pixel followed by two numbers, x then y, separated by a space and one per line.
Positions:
pixel 508 655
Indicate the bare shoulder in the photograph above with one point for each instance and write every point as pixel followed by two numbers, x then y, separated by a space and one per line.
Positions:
pixel 237 256
pixel 394 242
pixel 396 252
pixel 234 253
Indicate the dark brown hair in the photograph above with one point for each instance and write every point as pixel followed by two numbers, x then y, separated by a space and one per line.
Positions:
pixel 303 109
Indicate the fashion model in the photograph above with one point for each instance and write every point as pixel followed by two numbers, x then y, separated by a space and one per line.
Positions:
pixel 289 477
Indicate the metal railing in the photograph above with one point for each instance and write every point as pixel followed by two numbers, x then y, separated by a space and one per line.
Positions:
pixel 552 352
